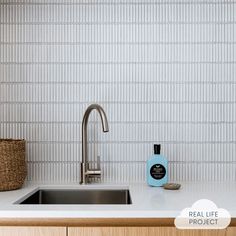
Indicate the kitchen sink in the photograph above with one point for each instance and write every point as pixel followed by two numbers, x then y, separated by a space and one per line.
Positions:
pixel 78 196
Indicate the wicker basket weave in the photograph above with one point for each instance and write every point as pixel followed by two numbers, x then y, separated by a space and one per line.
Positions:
pixel 13 168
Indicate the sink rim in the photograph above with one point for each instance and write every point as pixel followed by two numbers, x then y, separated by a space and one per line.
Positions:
pixel 74 188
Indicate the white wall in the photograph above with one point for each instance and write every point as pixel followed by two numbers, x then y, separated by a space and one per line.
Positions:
pixel 164 71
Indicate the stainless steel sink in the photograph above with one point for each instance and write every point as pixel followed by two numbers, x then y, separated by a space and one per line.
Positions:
pixel 78 196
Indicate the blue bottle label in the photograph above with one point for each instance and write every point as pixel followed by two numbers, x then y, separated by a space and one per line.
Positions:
pixel 158 171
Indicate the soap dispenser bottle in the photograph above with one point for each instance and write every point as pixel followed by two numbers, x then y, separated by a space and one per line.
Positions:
pixel 157 167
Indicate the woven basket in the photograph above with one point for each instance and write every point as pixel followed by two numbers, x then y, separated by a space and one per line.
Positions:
pixel 12 164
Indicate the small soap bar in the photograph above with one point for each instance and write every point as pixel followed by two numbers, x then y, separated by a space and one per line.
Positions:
pixel 171 186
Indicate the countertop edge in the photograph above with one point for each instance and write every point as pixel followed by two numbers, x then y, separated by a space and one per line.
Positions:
pixel 96 222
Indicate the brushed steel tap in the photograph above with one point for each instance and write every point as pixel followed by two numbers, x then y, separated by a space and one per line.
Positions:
pixel 87 172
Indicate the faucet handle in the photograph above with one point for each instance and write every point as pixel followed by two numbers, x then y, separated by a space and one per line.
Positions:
pixel 98 162
pixel 95 171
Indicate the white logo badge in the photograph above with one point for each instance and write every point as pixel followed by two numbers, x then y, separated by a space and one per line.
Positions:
pixel 204 214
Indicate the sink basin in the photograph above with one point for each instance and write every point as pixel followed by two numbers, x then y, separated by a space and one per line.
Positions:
pixel 78 196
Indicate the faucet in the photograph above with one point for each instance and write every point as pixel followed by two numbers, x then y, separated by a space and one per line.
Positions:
pixel 86 172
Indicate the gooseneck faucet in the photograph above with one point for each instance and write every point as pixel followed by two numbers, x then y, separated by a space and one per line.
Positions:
pixel 86 172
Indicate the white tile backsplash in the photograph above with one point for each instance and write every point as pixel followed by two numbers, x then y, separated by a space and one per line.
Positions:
pixel 164 71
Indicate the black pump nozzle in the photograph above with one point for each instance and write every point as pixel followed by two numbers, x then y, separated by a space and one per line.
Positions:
pixel 157 149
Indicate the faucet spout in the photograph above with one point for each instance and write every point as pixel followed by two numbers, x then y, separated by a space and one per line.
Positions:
pixel 85 171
